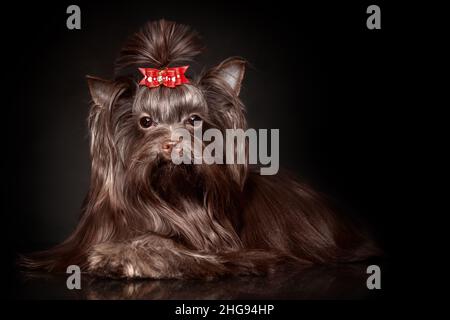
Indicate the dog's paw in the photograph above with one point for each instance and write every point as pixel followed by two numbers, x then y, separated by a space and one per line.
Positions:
pixel 113 260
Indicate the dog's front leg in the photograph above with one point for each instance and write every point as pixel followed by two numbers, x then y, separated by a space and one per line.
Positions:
pixel 156 257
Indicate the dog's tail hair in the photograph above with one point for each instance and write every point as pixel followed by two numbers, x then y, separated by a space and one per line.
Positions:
pixel 159 44
pixel 321 235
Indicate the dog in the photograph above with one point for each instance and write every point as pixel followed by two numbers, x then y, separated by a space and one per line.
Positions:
pixel 146 217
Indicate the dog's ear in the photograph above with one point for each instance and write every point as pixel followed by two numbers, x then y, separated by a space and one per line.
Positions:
pixel 101 90
pixel 232 72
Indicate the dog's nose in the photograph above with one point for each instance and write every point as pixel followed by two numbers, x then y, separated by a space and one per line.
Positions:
pixel 167 146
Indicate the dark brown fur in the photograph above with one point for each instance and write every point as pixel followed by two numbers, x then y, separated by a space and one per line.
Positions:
pixel 146 217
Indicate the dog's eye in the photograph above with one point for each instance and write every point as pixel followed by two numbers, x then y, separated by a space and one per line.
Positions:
pixel 146 122
pixel 194 118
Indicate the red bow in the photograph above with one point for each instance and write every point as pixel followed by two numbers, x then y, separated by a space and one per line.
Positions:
pixel 169 77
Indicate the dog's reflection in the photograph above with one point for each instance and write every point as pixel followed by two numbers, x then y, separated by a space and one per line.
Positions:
pixel 344 282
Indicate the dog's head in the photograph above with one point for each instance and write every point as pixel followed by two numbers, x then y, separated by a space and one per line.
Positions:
pixel 132 126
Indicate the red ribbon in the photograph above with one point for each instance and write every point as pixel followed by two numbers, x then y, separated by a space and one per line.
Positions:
pixel 169 77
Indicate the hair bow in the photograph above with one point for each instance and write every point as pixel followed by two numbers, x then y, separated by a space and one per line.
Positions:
pixel 169 77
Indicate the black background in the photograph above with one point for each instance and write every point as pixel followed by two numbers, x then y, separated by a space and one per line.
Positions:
pixel 316 73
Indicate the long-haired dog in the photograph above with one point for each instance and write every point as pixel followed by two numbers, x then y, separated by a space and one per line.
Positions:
pixel 146 217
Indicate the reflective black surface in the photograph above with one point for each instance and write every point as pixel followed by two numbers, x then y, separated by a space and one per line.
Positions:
pixel 318 282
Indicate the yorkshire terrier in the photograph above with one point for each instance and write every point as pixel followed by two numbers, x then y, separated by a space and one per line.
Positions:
pixel 147 217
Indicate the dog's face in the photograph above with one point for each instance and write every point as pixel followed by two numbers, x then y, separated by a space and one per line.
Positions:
pixel 133 129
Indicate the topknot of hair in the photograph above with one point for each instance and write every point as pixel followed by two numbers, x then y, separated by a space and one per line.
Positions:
pixel 159 44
